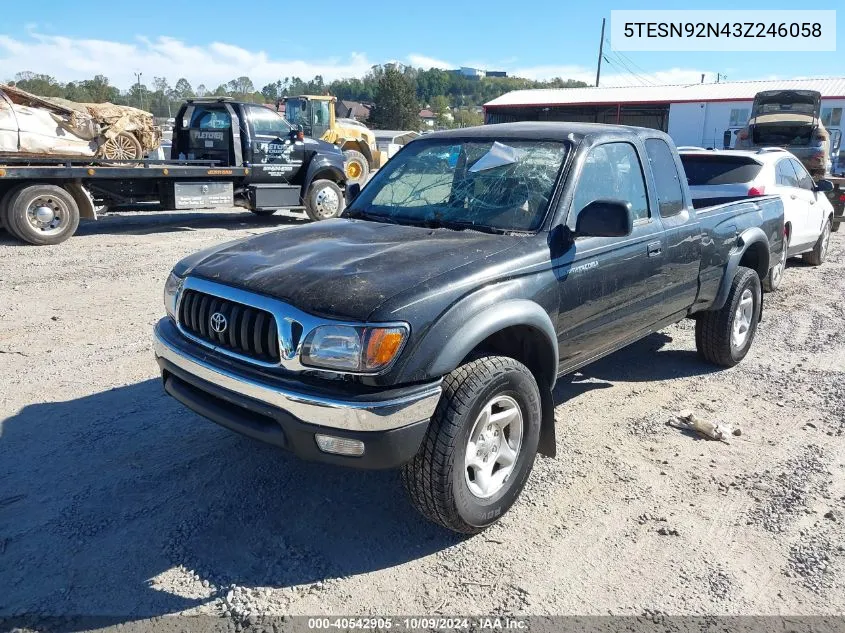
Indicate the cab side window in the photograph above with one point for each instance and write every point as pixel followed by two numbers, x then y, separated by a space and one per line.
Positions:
pixel 612 172
pixel 785 174
pixel 805 181
pixel 265 122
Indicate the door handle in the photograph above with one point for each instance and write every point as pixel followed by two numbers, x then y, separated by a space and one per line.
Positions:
pixel 655 249
pixel 793 196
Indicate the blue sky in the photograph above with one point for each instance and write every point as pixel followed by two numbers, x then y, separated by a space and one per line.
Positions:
pixel 216 40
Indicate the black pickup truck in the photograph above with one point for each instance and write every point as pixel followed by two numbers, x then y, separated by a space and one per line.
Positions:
pixel 224 153
pixel 427 327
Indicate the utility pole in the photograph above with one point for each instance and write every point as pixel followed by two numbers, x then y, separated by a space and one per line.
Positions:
pixel 140 96
pixel 601 49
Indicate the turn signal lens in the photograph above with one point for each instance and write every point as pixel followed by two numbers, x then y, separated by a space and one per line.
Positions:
pixel 352 348
pixel 382 346
pixel 339 445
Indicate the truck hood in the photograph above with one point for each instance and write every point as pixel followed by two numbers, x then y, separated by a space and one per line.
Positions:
pixel 342 268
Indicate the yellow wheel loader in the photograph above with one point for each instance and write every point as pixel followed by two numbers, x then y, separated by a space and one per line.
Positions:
pixel 315 116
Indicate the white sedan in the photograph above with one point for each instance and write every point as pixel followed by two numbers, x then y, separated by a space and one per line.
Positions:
pixel 717 176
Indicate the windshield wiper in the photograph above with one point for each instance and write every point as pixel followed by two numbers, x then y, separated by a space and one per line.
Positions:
pixel 375 217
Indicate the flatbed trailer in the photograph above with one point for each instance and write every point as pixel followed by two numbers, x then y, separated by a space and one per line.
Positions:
pixel 57 192
pixel 225 153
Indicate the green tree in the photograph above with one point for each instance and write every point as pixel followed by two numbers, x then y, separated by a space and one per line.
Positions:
pixel 241 87
pixel 183 90
pixel 42 85
pixel 396 105
pixel 440 106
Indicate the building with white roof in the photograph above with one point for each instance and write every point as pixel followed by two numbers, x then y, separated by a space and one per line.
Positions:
pixel 692 114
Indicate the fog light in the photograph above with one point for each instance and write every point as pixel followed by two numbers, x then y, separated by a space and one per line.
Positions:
pixel 339 445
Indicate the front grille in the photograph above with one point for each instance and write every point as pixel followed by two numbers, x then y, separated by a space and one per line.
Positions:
pixel 249 331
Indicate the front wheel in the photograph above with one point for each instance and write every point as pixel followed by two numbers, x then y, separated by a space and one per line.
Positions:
pixel 480 445
pixel 724 336
pixel 356 166
pixel 42 214
pixel 324 200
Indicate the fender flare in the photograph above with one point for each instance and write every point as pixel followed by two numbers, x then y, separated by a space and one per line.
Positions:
pixel 84 200
pixel 475 329
pixel 489 321
pixel 745 240
pixel 324 167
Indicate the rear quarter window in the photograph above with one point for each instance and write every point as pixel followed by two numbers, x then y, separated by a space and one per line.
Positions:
pixel 670 194
pixel 703 169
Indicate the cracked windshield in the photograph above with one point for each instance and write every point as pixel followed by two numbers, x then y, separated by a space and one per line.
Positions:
pixel 479 184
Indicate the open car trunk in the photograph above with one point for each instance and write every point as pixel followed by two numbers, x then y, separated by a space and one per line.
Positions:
pixel 784 117
pixel 782 133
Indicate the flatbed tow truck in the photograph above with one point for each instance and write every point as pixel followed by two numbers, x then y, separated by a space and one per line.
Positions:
pixel 225 153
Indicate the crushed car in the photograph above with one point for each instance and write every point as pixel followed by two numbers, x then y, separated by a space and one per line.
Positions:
pixel 38 126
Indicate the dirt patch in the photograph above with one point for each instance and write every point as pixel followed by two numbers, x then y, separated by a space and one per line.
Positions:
pixel 119 502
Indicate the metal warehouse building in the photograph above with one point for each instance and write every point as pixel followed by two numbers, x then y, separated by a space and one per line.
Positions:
pixel 694 114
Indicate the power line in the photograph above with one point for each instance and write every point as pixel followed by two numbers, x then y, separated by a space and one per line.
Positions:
pixel 626 64
pixel 622 69
pixel 630 61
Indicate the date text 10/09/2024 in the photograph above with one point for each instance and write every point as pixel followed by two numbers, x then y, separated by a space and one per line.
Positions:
pixel 418 623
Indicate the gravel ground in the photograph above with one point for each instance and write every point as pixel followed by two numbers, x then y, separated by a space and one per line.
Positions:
pixel 117 501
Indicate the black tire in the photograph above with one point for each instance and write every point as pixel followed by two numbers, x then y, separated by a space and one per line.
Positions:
pixel 318 209
pixel 4 206
pixel 714 329
pixel 124 146
pixel 23 225
pixel 263 212
pixel 817 256
pixel 834 226
pixel 354 157
pixel 437 478
pixel 774 279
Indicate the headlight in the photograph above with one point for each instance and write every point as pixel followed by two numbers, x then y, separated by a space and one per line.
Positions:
pixel 171 292
pixel 349 348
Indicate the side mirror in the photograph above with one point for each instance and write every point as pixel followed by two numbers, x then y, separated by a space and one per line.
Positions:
pixel 605 218
pixel 823 186
pixel 352 191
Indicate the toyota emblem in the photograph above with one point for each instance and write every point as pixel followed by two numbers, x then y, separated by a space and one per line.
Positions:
pixel 218 322
pixel 204 190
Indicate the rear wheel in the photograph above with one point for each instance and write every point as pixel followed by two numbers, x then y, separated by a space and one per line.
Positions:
pixel 775 277
pixel 124 146
pixel 42 214
pixel 480 445
pixel 724 336
pixel 817 256
pixel 357 168
pixel 324 200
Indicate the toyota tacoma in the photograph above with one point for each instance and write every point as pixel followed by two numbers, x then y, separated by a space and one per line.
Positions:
pixel 425 329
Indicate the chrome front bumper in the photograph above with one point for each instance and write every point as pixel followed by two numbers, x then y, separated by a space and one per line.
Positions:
pixel 348 415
